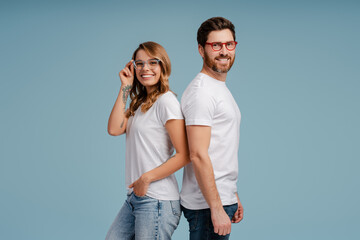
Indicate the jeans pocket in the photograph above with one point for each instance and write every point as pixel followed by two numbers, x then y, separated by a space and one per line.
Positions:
pixel 231 209
pixel 140 197
pixel 175 206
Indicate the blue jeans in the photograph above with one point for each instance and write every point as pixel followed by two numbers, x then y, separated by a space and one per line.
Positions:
pixel 145 218
pixel 200 224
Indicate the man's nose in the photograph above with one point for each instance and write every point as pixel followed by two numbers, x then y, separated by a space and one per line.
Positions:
pixel 223 50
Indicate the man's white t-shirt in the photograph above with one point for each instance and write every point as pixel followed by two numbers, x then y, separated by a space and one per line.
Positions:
pixel 207 101
pixel 148 145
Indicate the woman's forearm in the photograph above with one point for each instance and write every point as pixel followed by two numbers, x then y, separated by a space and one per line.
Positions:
pixel 117 120
pixel 169 167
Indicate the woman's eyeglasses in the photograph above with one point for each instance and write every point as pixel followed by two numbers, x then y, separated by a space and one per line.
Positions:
pixel 152 64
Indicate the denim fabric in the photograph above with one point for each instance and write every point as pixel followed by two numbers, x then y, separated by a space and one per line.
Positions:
pixel 200 224
pixel 143 218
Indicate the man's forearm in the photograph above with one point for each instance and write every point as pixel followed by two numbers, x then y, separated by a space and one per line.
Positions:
pixel 204 173
pixel 199 141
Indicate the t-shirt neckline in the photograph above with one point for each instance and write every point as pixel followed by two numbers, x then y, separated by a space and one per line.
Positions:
pixel 203 75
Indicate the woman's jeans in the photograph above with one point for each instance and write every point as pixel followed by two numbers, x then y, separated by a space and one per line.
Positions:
pixel 200 224
pixel 145 218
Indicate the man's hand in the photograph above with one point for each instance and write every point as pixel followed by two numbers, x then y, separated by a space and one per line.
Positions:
pixel 221 221
pixel 140 186
pixel 239 214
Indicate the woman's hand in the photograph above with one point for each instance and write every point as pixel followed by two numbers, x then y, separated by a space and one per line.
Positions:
pixel 127 74
pixel 141 185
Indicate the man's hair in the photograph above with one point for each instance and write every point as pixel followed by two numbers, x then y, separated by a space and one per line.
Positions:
pixel 213 24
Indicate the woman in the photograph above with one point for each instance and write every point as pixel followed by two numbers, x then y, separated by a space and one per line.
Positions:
pixel 154 126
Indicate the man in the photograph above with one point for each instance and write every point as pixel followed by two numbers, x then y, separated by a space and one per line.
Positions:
pixel 209 196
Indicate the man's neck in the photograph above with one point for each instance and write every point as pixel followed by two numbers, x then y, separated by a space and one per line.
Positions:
pixel 213 74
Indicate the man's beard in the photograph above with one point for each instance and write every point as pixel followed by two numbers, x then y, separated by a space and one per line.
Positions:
pixel 220 69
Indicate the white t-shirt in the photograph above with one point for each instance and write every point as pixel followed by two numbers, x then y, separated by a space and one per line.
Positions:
pixel 207 101
pixel 148 145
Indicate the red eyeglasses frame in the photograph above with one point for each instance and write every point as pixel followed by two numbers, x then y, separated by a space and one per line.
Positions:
pixel 212 47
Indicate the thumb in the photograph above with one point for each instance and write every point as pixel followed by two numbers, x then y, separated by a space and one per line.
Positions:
pixel 131 185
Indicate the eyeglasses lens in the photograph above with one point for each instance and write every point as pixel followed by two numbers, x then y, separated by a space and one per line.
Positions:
pixel 152 63
pixel 217 46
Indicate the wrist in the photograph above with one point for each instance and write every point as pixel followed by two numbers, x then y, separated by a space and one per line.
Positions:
pixel 124 91
pixel 124 84
pixel 125 87
pixel 147 178
pixel 216 206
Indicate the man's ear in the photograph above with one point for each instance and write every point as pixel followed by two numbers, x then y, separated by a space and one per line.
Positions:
pixel 201 50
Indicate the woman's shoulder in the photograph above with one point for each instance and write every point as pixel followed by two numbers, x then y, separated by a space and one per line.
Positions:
pixel 167 98
pixel 168 107
pixel 168 102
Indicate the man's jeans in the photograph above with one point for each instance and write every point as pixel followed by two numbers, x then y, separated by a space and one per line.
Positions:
pixel 200 224
pixel 145 218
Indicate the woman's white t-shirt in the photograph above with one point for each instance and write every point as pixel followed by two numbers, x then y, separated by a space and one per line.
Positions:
pixel 148 145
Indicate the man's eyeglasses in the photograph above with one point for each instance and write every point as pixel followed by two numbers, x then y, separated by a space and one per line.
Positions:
pixel 152 64
pixel 217 46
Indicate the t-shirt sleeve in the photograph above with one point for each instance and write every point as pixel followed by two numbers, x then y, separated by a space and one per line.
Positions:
pixel 198 108
pixel 169 108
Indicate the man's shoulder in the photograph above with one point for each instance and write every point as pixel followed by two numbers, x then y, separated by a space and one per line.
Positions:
pixel 196 93
pixel 195 82
pixel 199 85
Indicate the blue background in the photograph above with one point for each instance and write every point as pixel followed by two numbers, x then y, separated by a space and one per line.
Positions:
pixel 295 78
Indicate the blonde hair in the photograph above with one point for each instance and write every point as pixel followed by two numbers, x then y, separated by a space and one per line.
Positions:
pixel 138 94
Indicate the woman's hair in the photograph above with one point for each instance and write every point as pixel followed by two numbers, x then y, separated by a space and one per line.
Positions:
pixel 138 94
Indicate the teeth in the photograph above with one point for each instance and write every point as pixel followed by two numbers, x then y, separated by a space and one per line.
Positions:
pixel 146 75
